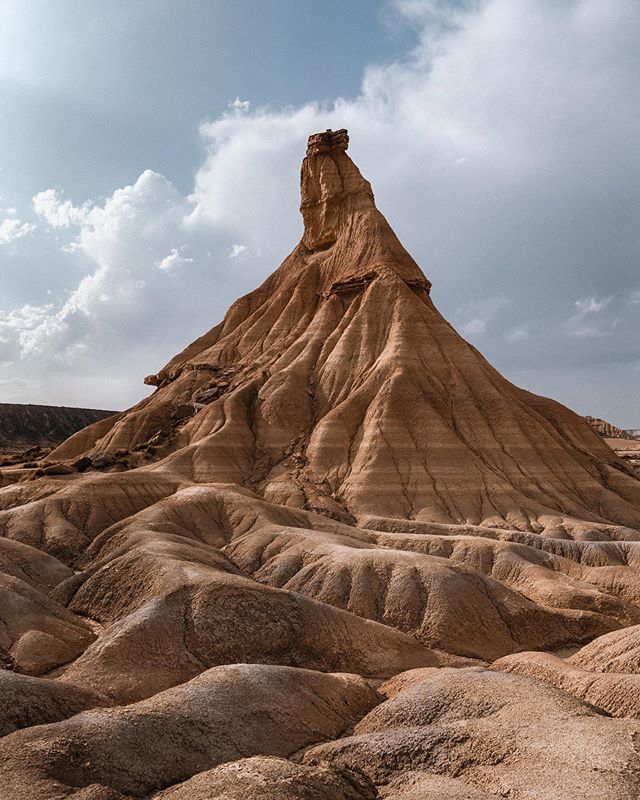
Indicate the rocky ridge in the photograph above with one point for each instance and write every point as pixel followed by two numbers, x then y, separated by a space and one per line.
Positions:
pixel 607 430
pixel 335 554
pixel 24 426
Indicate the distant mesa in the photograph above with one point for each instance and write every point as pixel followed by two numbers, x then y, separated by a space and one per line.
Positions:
pixel 625 443
pixel 607 430
pixel 26 426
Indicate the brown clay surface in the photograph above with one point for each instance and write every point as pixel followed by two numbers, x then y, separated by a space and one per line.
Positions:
pixel 334 555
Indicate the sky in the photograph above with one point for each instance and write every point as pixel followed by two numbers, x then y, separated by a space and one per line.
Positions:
pixel 149 167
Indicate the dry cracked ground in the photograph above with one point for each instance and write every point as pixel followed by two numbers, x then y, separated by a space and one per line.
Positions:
pixel 335 555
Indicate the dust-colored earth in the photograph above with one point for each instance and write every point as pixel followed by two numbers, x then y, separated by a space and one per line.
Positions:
pixel 334 555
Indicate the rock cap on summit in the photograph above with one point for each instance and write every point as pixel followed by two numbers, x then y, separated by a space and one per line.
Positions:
pixel 328 140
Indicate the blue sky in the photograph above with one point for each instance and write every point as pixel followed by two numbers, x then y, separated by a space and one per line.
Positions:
pixel 137 201
pixel 95 92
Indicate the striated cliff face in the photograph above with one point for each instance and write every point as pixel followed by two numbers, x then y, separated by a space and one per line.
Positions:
pixel 607 430
pixel 334 556
pixel 23 426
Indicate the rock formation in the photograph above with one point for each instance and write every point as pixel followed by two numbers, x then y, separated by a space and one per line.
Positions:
pixel 334 555
pixel 624 443
pixel 607 430
pixel 27 427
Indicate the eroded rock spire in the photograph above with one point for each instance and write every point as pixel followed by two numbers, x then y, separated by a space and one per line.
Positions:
pixel 329 178
pixel 336 386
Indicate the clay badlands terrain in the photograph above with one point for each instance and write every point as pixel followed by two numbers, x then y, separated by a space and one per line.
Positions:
pixel 335 554
pixel 39 428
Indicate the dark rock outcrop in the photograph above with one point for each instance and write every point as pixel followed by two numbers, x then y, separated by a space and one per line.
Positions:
pixel 27 426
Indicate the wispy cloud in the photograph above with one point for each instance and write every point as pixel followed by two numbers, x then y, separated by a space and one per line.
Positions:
pixel 12 229
pixel 518 334
pixel 240 106
pixel 591 305
pixel 475 326
pixel 174 261
pixel 483 312
pixel 16 383
pixel 237 250
pixel 587 322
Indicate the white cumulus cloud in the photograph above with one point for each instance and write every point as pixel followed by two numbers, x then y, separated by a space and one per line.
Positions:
pixel 174 261
pixel 56 212
pixel 239 105
pixel 237 250
pixel 12 229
